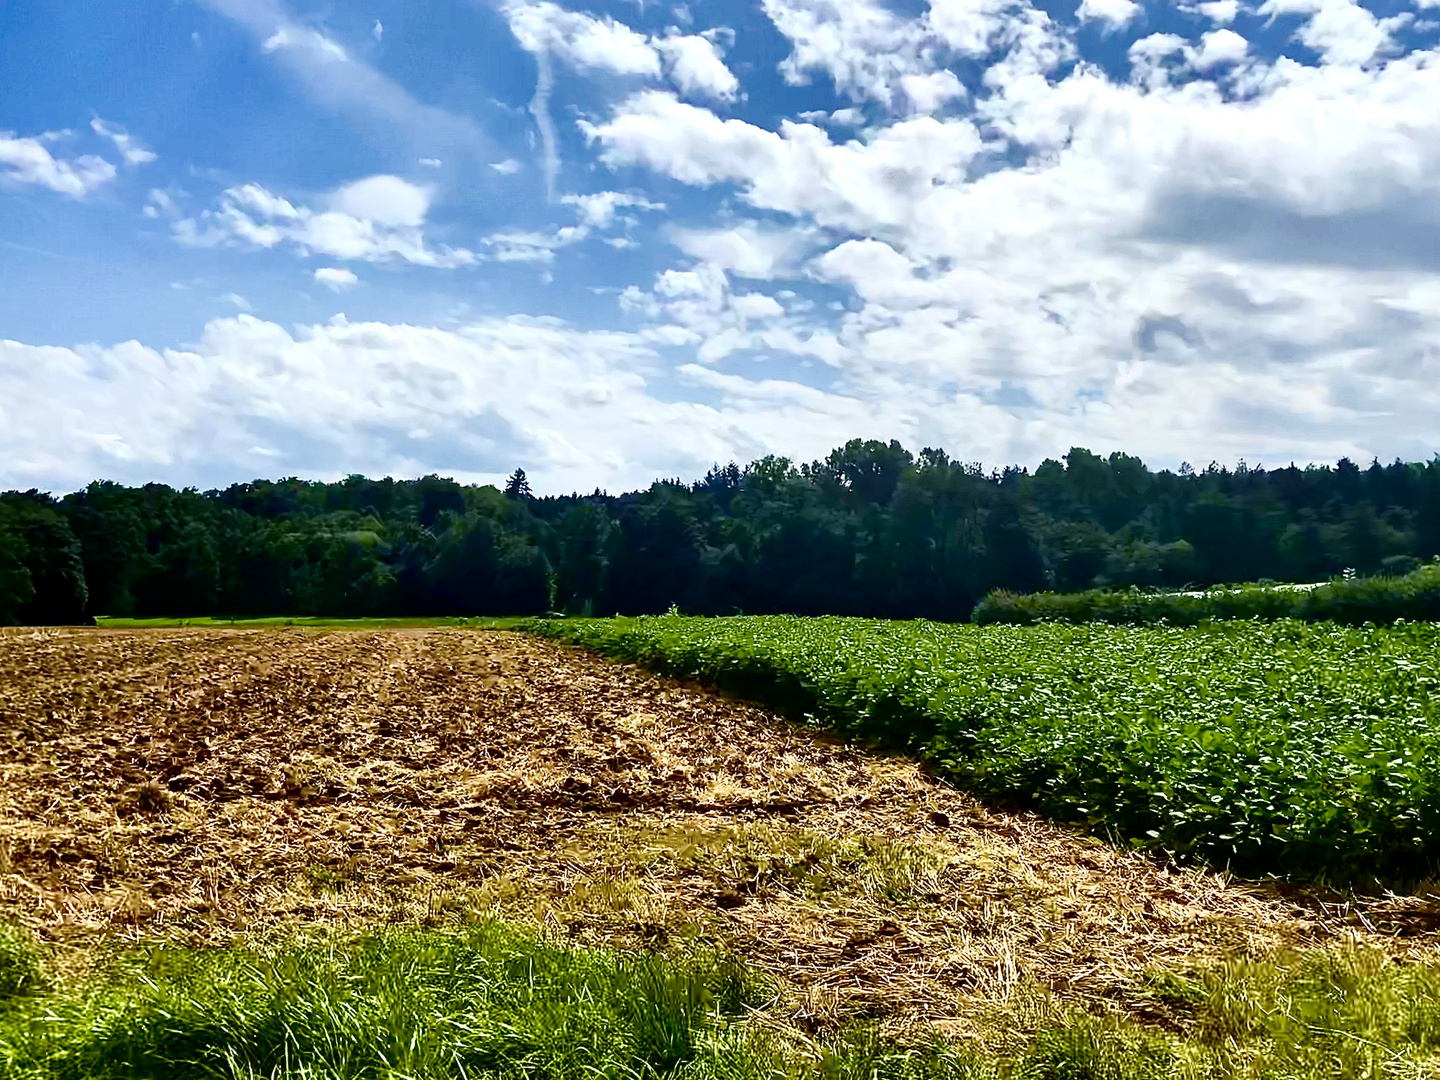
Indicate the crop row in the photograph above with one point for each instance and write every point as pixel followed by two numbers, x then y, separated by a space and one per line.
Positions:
pixel 1356 601
pixel 1311 750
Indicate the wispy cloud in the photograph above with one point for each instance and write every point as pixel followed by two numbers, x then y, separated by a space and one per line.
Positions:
pixel 29 161
pixel 335 78
pixel 130 149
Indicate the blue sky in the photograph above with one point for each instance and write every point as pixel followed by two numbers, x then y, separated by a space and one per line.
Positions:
pixel 611 242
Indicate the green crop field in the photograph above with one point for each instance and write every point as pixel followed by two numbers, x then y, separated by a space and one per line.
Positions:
pixel 1311 750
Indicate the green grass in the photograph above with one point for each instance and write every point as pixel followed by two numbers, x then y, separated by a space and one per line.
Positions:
pixel 1306 749
pixel 478 622
pixel 492 1001
pixel 1413 596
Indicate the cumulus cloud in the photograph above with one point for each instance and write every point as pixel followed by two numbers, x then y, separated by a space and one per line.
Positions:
pixel 254 398
pixel 29 161
pixel 1217 254
pixel 1220 47
pixel 869 51
pixel 1341 31
pixel 336 277
pixel 747 249
pixel 1220 11
pixel 926 93
pixel 694 65
pixel 376 219
pixel 1116 14
pixel 799 170
pixel 1182 263
pixel 387 201
pixel 583 41
pixel 863 46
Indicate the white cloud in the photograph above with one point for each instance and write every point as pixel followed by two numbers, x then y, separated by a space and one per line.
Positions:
pixel 508 167
pixel 29 161
pixel 582 41
pixel 377 219
pixel 926 93
pixel 533 246
pixel 1220 47
pixel 747 249
pixel 695 66
pixel 377 31
pixel 386 200
pixel 1229 255
pixel 250 397
pixel 1173 269
pixel 237 301
pixel 1116 14
pixel 597 211
pixel 868 50
pixel 336 277
pixel 856 185
pixel 130 150
pixel 864 47
pixel 1341 31
pixel 431 163
pixel 1221 11
pixel 305 40
pixel 756 306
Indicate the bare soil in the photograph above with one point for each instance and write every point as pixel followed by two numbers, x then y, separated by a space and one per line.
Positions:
pixel 197 785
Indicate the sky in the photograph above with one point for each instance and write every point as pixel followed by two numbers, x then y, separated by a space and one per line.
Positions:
pixel 609 243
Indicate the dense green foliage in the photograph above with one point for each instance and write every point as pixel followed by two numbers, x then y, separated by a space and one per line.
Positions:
pixel 1354 601
pixel 405 1004
pixel 869 530
pixel 402 1003
pixel 1304 749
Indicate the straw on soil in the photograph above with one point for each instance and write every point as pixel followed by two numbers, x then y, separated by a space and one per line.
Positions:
pixel 202 784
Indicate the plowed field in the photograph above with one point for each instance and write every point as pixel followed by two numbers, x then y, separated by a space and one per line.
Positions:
pixel 199 784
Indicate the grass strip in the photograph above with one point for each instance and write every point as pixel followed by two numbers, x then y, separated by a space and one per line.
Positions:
pixel 1311 750
pixel 498 1002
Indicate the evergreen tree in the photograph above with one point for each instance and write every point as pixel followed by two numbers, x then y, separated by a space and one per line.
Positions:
pixel 518 487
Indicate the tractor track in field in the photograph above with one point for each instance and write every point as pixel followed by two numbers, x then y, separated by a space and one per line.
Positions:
pixel 199 785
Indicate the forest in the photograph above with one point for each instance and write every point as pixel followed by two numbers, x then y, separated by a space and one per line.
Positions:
pixel 871 529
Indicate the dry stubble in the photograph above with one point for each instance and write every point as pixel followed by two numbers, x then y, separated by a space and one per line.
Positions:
pixel 197 785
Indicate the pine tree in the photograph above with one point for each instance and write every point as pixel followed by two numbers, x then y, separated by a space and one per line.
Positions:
pixel 518 487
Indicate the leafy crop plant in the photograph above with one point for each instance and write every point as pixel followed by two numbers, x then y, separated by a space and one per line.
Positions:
pixel 1309 750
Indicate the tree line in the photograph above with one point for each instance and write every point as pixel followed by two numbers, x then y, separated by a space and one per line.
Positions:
pixel 871 529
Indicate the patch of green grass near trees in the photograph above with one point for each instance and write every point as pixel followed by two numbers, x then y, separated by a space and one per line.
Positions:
pixel 498 1002
pixel 1305 749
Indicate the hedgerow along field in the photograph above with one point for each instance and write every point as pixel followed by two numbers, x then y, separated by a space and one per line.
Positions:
pixel 1352 601
pixel 1308 750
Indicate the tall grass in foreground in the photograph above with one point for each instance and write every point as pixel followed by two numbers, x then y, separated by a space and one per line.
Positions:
pixel 1414 596
pixel 405 1004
